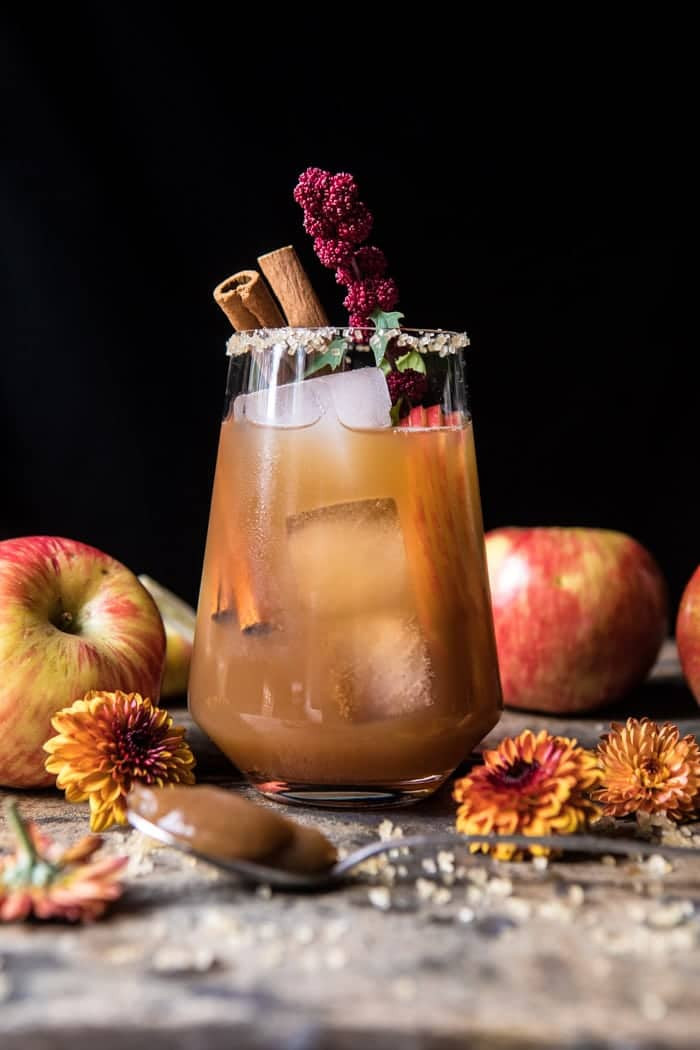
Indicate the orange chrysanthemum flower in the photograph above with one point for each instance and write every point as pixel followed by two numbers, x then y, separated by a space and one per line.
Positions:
pixel 108 741
pixel 648 768
pixel 43 880
pixel 530 785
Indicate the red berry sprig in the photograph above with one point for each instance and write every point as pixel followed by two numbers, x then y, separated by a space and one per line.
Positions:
pixel 339 223
pixel 406 389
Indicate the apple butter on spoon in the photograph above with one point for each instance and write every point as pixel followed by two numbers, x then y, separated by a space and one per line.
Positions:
pixel 221 827
pixel 245 839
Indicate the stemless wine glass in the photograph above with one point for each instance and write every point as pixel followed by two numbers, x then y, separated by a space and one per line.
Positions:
pixel 344 651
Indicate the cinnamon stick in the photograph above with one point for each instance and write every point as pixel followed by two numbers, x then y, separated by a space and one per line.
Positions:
pixel 289 282
pixel 245 299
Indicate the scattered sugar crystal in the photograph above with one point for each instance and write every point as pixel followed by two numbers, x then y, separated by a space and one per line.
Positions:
pixel 446 861
pixel 465 915
pixel 403 988
pixel 479 876
pixel 540 863
pixel 499 887
pixel 428 865
pixel 442 895
pixel 666 916
pixel 636 911
pixel 657 865
pixel 304 935
pixel 385 830
pixel 682 939
pixel 336 959
pixel 379 897
pixel 554 910
pixel 575 895
pixel 518 908
pixel 425 889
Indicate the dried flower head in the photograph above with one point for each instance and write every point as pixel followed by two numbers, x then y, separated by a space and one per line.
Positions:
pixel 312 188
pixel 529 785
pixel 105 743
pixel 357 225
pixel 42 879
pixel 410 385
pixel 332 251
pixel 367 261
pixel 366 295
pixel 339 223
pixel 340 197
pixel 648 768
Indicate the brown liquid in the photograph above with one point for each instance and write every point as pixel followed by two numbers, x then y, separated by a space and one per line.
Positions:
pixel 220 824
pixel 344 632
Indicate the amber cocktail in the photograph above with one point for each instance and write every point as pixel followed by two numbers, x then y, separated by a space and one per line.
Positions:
pixel 344 651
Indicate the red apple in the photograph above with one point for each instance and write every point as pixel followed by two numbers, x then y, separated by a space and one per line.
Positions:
pixel 688 633
pixel 71 619
pixel 580 615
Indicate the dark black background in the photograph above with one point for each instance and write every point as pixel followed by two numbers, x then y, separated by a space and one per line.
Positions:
pixel 536 197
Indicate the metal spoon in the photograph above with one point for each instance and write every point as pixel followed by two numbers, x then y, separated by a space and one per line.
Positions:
pixel 255 874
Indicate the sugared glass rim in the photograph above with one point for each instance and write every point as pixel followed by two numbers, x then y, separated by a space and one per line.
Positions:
pixel 318 340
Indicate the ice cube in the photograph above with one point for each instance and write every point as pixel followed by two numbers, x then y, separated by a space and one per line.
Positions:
pixel 291 405
pixel 349 558
pixel 381 671
pixel 360 398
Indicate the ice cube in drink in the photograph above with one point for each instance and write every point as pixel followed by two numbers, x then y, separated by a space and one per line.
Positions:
pixel 380 672
pixel 334 552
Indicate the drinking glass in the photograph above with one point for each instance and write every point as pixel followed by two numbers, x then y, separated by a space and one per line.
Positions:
pixel 344 651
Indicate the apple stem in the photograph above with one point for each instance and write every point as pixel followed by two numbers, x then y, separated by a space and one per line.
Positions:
pixel 25 845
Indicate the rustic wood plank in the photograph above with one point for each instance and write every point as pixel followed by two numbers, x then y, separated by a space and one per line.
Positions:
pixel 582 954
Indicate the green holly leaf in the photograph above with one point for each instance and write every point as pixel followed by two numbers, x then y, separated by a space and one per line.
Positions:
pixel 378 344
pixel 332 356
pixel 412 360
pixel 386 325
pixel 384 319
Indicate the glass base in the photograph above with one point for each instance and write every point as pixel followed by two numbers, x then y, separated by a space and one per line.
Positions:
pixel 349 796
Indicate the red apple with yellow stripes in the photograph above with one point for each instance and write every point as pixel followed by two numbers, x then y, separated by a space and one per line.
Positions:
pixel 71 619
pixel 580 615
pixel 688 633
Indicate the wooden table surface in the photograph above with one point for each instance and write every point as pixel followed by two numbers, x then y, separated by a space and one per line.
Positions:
pixel 452 953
